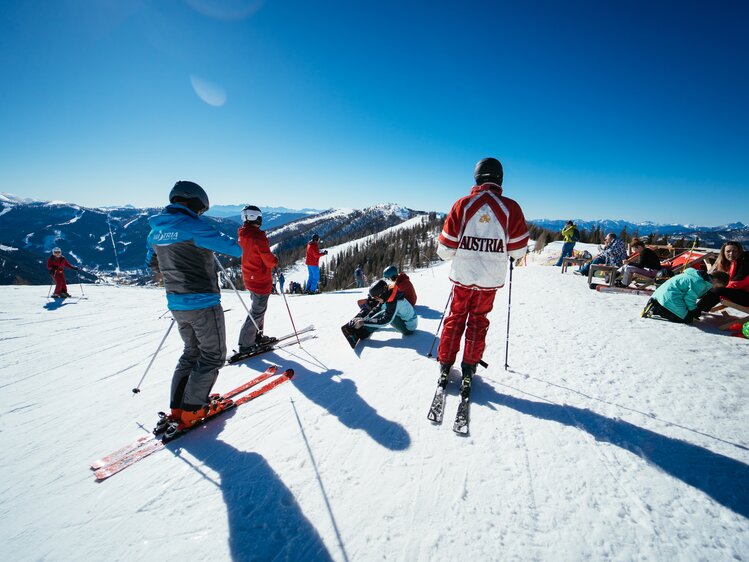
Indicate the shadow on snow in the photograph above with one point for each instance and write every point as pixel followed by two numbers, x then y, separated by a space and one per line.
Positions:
pixel 265 521
pixel 724 479
pixel 341 399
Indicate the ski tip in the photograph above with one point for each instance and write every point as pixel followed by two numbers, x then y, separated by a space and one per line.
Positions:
pixel 289 373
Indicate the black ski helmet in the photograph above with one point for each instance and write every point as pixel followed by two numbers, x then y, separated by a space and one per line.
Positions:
pixel 391 272
pixel 315 237
pixel 191 194
pixel 252 214
pixel 379 290
pixel 488 170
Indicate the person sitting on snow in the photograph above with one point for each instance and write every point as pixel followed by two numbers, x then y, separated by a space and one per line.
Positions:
pixel 614 253
pixel 401 281
pixel 676 300
pixel 385 305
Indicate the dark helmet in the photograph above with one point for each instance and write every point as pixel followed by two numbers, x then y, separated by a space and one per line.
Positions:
pixel 252 215
pixel 191 194
pixel 315 237
pixel 379 290
pixel 391 272
pixel 488 170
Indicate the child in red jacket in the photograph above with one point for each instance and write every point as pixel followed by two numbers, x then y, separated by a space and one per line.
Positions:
pixel 56 265
pixel 258 263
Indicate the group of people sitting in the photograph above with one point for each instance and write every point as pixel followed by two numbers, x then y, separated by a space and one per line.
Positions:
pixel 685 297
pixel 680 296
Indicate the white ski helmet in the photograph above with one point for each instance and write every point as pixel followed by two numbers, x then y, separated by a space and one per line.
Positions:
pixel 56 250
pixel 252 214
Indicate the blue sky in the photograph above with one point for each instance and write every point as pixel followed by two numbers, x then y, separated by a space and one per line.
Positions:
pixel 635 110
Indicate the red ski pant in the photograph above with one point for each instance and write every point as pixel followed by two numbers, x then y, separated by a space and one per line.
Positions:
pixel 60 285
pixel 473 306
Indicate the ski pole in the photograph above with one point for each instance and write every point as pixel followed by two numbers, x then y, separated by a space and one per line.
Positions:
pixel 226 276
pixel 136 390
pixel 509 304
pixel 291 318
pixel 441 319
pixel 52 285
pixel 78 273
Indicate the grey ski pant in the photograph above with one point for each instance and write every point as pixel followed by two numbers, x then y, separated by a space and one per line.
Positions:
pixel 248 333
pixel 204 333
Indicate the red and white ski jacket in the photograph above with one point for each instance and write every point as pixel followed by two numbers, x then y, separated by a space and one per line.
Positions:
pixel 481 232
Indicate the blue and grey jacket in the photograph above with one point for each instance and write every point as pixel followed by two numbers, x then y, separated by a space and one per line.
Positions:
pixel 180 246
pixel 397 309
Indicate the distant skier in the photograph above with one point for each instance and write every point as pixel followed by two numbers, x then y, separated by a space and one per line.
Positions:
pixel 257 271
pixel 313 263
pixel 281 280
pixel 180 246
pixel 359 277
pixel 56 265
pixel 481 232
pixel 570 235
pixel 385 305
pixel 403 283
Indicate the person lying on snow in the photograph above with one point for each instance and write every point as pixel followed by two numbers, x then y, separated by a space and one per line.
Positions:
pixel 676 300
pixel 385 305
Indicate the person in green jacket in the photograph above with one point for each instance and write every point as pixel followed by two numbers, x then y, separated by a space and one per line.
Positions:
pixel 570 235
pixel 676 300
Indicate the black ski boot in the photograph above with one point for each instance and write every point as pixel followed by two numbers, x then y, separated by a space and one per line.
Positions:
pixel 465 384
pixel 444 374
pixel 262 340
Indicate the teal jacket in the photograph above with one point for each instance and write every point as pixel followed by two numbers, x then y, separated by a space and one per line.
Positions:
pixel 397 311
pixel 681 293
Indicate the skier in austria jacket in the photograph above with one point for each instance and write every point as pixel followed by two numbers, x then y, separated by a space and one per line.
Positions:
pixel 480 233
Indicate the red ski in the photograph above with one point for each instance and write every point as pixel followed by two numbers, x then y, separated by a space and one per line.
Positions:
pixel 148 445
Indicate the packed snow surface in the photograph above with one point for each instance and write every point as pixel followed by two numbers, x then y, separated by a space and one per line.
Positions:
pixel 610 437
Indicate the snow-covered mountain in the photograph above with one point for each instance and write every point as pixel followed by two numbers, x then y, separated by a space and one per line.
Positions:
pixel 273 217
pixel 235 210
pixel 710 236
pixel 583 450
pixel 102 239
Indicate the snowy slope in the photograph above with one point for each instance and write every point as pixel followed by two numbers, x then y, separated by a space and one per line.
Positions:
pixel 298 272
pixel 583 450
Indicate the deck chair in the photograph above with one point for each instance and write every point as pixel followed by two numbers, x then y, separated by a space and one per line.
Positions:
pixel 698 259
pixel 723 308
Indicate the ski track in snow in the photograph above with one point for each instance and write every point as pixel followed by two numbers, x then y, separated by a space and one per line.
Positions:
pixel 580 451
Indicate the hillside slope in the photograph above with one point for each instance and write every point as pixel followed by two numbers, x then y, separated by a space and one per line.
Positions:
pixel 576 453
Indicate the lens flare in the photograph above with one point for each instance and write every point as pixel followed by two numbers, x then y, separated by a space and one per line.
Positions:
pixel 226 10
pixel 211 93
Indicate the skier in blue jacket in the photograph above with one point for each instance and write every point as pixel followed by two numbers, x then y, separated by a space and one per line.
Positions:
pixel 180 247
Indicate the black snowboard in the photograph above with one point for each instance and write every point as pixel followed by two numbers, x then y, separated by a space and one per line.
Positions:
pixel 350 334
